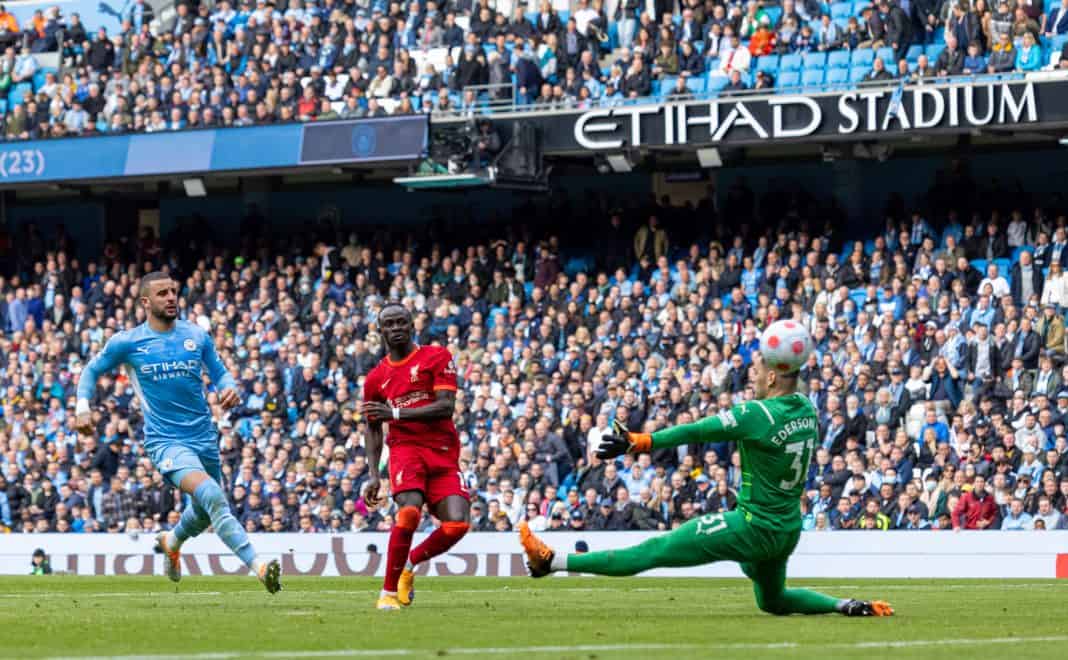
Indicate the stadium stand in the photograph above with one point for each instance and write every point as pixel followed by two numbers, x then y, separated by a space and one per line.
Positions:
pixel 940 359
pixel 240 62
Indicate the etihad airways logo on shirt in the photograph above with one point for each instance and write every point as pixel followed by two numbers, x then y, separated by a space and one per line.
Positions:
pixel 168 369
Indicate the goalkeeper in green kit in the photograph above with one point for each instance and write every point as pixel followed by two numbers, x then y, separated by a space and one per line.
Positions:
pixel 776 434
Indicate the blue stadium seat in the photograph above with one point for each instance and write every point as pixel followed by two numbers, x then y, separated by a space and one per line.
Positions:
pixel 716 84
pixel 887 56
pixel 655 86
pixel 841 10
pixel 863 57
pixel 1024 248
pixel 838 59
pixel 837 77
pixel 769 63
pixel 712 64
pixel 934 50
pixel 14 97
pixel 979 265
pixel 1057 42
pixel 915 50
pixel 1004 267
pixel 812 77
pixel 815 60
pixel 790 63
pixel 774 13
pixel 857 73
pixel 39 77
pixel 789 80
pixel 696 84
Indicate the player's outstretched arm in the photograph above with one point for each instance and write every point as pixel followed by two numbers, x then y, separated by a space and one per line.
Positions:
pixel 733 424
pixel 113 354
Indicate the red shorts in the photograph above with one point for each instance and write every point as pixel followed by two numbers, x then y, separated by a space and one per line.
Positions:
pixel 433 472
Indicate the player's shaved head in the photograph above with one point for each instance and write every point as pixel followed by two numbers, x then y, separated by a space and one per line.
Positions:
pixel 147 280
pixel 394 307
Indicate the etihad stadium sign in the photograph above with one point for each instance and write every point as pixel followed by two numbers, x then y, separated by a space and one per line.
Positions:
pixel 861 113
pixel 780 117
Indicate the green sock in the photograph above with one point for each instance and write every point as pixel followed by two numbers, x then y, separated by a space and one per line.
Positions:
pixel 804 601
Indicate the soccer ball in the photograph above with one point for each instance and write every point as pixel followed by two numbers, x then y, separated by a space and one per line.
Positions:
pixel 785 346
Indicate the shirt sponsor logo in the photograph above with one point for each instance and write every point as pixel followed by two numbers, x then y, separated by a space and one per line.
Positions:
pixel 169 369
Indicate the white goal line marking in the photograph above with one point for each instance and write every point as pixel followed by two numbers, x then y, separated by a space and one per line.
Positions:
pixel 362 653
pixel 430 592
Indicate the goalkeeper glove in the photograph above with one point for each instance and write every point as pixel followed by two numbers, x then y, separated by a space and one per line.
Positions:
pixel 621 441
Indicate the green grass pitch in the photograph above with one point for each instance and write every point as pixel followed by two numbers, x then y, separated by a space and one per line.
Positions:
pixel 220 618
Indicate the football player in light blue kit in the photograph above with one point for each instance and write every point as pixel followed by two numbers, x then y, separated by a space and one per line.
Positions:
pixel 165 359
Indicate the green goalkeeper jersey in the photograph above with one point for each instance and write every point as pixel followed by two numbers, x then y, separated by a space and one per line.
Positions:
pixel 776 438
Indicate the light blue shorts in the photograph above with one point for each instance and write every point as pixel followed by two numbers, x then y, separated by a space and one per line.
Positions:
pixel 176 461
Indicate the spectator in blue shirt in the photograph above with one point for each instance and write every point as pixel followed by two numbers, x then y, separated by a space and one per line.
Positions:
pixel 1016 519
pixel 974 62
pixel 940 428
pixel 1029 57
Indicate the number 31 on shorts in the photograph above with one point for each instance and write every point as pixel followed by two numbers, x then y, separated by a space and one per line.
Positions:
pixel 711 523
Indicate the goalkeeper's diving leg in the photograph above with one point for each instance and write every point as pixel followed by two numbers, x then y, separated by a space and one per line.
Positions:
pixel 713 537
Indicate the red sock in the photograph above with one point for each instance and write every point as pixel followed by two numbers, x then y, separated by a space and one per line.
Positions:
pixel 400 541
pixel 439 541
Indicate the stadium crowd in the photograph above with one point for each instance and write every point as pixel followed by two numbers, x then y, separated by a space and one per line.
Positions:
pixel 940 374
pixel 254 62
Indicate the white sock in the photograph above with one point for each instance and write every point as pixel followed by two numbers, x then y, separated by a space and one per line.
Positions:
pixel 172 541
pixel 559 562
pixel 387 593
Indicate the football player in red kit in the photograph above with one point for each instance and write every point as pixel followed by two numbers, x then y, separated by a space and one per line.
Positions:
pixel 413 390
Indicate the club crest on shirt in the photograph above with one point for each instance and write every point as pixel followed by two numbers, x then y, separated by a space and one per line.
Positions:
pixel 415 373
pixel 167 464
pixel 189 345
pixel 400 477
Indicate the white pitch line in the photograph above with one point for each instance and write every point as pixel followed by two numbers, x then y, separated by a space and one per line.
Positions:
pixel 29 595
pixel 506 650
pixel 445 593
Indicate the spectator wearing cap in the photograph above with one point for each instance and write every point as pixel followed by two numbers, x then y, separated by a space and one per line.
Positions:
pixel 480 522
pixel 914 519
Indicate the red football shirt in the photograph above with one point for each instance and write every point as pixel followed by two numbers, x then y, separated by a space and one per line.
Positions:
pixel 412 383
